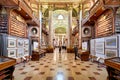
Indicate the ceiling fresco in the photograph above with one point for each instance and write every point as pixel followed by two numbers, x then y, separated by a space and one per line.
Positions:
pixel 60 21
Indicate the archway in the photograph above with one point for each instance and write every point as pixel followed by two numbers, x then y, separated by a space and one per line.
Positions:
pixel 60 27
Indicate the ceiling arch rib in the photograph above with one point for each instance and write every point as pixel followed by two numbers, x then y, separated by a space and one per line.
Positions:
pixel 74 12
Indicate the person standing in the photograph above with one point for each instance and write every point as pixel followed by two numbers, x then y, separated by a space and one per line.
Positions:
pixel 75 51
pixel 60 46
pixel 59 49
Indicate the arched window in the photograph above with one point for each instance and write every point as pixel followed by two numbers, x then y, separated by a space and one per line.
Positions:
pixel 60 17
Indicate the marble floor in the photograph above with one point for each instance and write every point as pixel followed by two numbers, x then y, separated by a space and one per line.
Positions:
pixel 60 66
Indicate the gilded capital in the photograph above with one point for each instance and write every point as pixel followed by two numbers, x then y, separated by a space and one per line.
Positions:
pixel 70 7
pixel 51 7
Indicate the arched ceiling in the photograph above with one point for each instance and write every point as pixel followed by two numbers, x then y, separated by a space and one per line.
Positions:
pixel 60 23
pixel 74 12
pixel 60 5
pixel 46 5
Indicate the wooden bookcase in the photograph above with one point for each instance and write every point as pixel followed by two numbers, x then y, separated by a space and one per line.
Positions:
pixel 18 27
pixel 104 24
pixel 117 21
pixel 115 3
pixel 13 24
pixel 104 17
pixel 3 23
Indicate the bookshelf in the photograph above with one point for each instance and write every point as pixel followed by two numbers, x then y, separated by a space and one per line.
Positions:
pixel 117 21
pixel 3 23
pixel 17 26
pixel 104 24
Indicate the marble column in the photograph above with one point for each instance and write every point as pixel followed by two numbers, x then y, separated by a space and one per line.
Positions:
pixel 80 28
pixel 69 27
pixel 50 27
pixel 40 18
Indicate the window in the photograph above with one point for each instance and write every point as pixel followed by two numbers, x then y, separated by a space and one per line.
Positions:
pixel 60 17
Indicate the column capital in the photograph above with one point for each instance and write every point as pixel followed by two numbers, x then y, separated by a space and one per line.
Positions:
pixel 80 7
pixel 70 7
pixel 41 7
pixel 51 7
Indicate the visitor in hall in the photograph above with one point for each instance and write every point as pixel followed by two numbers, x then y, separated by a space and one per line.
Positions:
pixel 75 51
pixel 64 46
pixel 60 49
pixel 60 46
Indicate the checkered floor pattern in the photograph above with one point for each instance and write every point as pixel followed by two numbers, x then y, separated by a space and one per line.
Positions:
pixel 60 66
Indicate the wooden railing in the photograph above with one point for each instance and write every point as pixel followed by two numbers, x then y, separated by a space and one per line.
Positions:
pixel 26 7
pixel 98 4
pixel 96 9
pixel 16 1
pixel 9 2
pixel 36 20
pixel 112 2
pixel 84 20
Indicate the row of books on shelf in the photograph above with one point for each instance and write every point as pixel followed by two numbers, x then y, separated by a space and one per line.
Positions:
pixel 17 28
pixel 104 24
pixel 3 31
pixel 3 24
